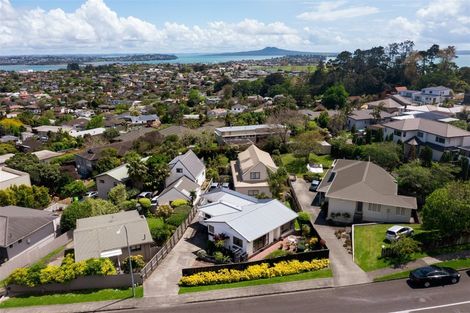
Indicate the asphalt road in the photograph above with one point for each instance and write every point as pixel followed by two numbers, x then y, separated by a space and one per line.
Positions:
pixel 394 296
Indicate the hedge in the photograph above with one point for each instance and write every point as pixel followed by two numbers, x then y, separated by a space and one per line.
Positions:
pixel 67 271
pixel 258 271
pixel 178 202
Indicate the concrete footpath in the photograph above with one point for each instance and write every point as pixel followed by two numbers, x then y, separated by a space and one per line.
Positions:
pixel 345 270
pixel 167 301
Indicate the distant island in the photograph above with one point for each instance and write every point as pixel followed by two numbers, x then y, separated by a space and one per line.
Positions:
pixel 273 51
pixel 66 59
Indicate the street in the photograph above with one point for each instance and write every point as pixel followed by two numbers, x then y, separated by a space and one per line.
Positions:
pixel 388 297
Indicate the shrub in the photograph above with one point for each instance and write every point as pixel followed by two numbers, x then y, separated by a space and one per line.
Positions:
pixel 277 254
pixel 259 271
pixel 303 217
pixel 296 225
pixel 219 257
pixel 137 263
pixel 176 219
pixel 127 205
pixel 161 232
pixel 179 202
pixel 68 270
pixel 306 230
pixel 164 211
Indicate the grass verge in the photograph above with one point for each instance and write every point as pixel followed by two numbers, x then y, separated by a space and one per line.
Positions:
pixel 325 273
pixel 73 297
pixel 457 264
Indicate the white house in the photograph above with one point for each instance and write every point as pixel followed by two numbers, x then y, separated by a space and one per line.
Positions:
pixel 358 191
pixel 238 108
pixel 361 119
pixel 420 132
pixel 248 224
pixel 429 95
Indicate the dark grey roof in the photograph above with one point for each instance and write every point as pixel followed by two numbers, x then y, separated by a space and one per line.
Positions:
pixel 191 162
pixel 135 134
pixel 18 222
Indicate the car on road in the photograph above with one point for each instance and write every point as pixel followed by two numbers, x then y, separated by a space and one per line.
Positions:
pixel 434 275
pixel 91 194
pixel 314 185
pixel 396 232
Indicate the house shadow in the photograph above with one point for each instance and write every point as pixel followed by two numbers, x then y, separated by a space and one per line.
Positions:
pixel 199 236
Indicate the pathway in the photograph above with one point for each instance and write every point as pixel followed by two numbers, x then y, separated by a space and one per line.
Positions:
pixel 164 280
pixel 345 270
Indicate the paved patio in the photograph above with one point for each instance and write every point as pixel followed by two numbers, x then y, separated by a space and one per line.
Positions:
pixel 276 246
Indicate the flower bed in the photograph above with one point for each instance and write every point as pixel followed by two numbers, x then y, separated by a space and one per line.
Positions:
pixel 258 271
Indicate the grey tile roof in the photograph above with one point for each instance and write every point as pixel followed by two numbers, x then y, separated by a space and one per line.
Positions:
pixel 190 161
pixel 363 181
pixel 367 115
pixel 437 128
pixel 18 222
pixel 95 235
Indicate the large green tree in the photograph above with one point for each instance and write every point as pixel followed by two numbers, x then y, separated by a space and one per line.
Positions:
pixel 82 209
pixel 384 154
pixel 447 209
pixel 335 97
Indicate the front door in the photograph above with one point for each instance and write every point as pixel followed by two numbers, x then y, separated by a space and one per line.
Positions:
pixel 358 212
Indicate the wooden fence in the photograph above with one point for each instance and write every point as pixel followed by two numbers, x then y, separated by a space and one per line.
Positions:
pixel 166 248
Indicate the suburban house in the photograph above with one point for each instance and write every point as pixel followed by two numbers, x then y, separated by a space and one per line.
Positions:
pixel 361 119
pixel 107 180
pixel 389 105
pixel 105 236
pixel 247 134
pixel 188 165
pixel 86 161
pixel 187 175
pixel 250 172
pixel 416 133
pixel 217 113
pixel 430 95
pixel 10 177
pixel 140 119
pixel 23 229
pixel 358 191
pixel 248 224
pixel 238 108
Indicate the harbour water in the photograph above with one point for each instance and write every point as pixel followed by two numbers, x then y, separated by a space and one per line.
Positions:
pixel 461 61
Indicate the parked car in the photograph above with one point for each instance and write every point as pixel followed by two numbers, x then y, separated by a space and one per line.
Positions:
pixel 226 185
pixel 214 186
pixel 145 194
pixel 396 232
pixel 91 194
pixel 434 275
pixel 314 185
pixel 153 201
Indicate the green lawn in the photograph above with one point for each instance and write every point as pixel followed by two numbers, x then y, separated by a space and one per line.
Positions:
pixel 368 241
pixel 298 166
pixel 75 297
pixel 325 273
pixel 457 264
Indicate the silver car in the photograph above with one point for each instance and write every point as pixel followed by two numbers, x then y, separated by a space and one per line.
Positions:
pixel 396 232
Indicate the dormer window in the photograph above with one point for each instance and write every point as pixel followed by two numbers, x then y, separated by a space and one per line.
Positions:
pixel 179 170
pixel 255 175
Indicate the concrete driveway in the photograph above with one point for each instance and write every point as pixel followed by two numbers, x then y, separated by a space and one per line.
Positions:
pixel 163 282
pixel 345 271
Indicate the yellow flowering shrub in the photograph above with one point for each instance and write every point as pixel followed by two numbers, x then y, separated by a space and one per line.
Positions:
pixel 252 272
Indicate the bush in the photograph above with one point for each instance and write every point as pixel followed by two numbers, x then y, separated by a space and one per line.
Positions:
pixel 220 258
pixel 128 205
pixel 253 272
pixel 304 217
pixel 176 219
pixel 308 177
pixel 138 263
pixel 68 270
pixel 306 230
pixel 164 211
pixel 179 202
pixel 161 231
pixel 277 254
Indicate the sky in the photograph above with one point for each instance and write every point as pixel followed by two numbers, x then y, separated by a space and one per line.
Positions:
pixel 202 26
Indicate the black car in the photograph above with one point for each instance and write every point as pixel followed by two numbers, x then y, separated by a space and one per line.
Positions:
pixel 434 275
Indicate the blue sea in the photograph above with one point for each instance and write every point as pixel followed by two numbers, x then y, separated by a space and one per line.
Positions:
pixel 461 61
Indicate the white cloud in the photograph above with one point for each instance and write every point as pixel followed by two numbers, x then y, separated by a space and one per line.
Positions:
pixel 95 27
pixel 335 10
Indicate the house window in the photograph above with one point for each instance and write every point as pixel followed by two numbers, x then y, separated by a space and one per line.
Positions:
pixel 179 170
pixel 404 134
pixel 101 181
pixel 237 242
pixel 210 229
pixel 374 207
pixel 400 211
pixel 255 175
pixel 136 248
pixel 420 134
pixel 286 227
pixel 440 139
pixel 20 241
pixel 253 192
pixel 397 133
